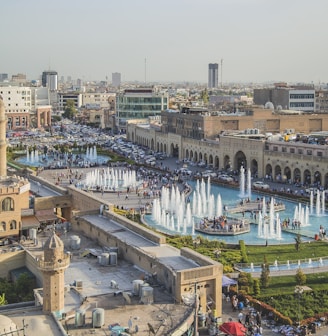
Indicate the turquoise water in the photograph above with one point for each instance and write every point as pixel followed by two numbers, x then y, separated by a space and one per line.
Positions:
pixel 76 160
pixel 230 198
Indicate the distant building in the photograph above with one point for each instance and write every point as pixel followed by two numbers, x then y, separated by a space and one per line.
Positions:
pixel 63 97
pixel 321 101
pixel 300 98
pixel 116 79
pixel 50 80
pixel 98 100
pixel 213 75
pixel 3 77
pixel 139 104
pixel 19 78
pixel 18 105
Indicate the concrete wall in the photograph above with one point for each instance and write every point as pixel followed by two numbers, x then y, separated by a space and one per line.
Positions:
pixel 11 260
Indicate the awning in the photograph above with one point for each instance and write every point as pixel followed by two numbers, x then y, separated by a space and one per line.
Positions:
pixel 45 215
pixel 29 222
pixel 226 281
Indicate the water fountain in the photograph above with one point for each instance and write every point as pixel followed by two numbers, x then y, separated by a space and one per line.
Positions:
pixel 317 204
pixel 249 183
pixel 201 204
pixel 242 181
pixel 301 216
pixel 110 179
pixel 269 225
pixel 248 192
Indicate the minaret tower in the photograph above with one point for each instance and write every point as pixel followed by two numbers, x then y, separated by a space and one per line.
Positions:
pixel 3 143
pixel 53 266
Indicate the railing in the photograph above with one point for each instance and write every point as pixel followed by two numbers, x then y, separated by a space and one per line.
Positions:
pixel 56 265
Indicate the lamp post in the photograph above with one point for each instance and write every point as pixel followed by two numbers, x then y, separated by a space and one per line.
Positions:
pixel 299 290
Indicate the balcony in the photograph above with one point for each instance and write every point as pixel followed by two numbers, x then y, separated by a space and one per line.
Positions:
pixel 54 266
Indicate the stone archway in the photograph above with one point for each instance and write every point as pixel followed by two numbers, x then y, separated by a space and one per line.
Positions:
pixel 277 174
pixel 210 160
pixel 317 178
pixel 326 181
pixel 268 171
pixel 227 163
pixel 152 144
pixel 192 156
pixel 174 150
pixel 240 160
pixel 287 174
pixel 254 168
pixel 216 162
pixel 205 158
pixel 297 176
pixel 196 157
pixel 187 154
pixel 307 177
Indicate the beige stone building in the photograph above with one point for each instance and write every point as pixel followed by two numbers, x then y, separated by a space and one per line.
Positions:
pixel 209 125
pixel 279 160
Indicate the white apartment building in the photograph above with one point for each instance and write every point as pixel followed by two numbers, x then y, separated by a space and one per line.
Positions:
pixel 21 104
pixel 18 105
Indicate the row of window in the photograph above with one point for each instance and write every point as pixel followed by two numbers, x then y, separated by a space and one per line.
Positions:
pixel 302 96
pixel 12 225
pixel 299 151
pixel 302 104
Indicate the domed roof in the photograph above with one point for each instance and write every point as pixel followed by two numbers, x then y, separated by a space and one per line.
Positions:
pixel 53 242
pixel 269 106
pixel 7 324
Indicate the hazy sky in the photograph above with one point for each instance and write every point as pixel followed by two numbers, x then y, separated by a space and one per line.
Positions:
pixel 258 40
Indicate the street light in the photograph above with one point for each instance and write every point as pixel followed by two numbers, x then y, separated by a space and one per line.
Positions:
pixel 299 290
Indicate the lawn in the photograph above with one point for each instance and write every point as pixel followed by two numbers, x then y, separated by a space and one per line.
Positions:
pixel 282 253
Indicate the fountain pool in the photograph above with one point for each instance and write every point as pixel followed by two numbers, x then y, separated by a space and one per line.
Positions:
pixel 229 198
pixel 34 158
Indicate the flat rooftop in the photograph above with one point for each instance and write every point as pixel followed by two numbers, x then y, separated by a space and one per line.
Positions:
pixel 168 255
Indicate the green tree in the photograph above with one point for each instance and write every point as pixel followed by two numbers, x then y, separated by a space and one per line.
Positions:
pixel 70 110
pixel 298 242
pixel 204 96
pixel 300 277
pixel 256 287
pixel 3 300
pixel 265 273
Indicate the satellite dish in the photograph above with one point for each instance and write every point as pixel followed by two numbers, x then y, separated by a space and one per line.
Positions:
pixel 126 297
pixel 151 328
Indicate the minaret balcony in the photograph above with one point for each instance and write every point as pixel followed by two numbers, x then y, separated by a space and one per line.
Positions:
pixel 54 265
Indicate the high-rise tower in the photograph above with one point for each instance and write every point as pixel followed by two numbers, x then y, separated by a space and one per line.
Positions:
pixel 52 266
pixel 213 75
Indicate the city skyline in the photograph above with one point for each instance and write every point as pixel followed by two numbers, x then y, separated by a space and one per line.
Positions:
pixel 171 41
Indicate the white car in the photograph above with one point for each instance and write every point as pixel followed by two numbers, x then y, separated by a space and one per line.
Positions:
pixel 225 177
pixel 261 185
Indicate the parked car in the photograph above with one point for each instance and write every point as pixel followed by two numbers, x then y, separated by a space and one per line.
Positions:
pixel 225 177
pixel 261 185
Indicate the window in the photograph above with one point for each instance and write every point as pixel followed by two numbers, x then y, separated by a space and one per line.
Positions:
pixel 300 151
pixel 284 149
pixel 8 204
pixel 275 148
pixel 3 226
pixel 13 225
pixel 292 150
pixel 319 154
pixel 309 152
